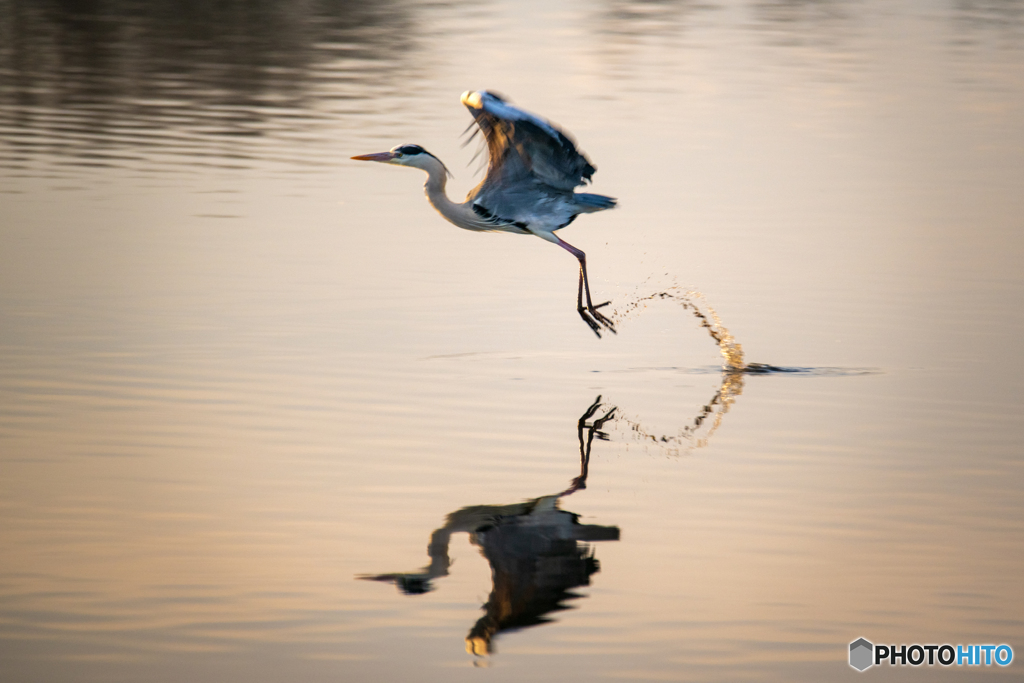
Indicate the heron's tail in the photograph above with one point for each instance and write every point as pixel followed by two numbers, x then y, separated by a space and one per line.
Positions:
pixel 594 202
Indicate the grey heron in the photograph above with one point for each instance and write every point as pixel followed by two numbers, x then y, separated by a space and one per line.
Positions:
pixel 529 188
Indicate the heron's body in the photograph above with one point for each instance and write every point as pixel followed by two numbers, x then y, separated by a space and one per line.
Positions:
pixel 546 214
pixel 532 173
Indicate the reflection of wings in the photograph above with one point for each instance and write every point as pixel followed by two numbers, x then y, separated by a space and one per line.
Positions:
pixel 537 552
pixel 527 156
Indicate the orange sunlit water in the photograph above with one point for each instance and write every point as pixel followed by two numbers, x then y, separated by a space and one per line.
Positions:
pixel 239 371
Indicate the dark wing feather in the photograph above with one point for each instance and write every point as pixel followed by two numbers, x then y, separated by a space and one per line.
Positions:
pixel 523 147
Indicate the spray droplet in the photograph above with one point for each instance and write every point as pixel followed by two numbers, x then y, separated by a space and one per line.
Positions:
pixel 731 350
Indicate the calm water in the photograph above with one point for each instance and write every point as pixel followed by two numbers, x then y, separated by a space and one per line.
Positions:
pixel 240 374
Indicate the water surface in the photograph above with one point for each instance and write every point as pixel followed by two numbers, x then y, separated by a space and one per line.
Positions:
pixel 238 371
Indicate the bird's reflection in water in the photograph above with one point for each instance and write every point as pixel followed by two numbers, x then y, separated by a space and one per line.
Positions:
pixel 538 552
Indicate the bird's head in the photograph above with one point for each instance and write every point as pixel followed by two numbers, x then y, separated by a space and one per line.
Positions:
pixel 406 155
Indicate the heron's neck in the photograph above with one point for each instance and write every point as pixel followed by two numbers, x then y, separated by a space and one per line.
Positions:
pixel 459 214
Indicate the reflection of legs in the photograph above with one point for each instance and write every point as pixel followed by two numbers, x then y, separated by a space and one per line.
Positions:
pixel 580 482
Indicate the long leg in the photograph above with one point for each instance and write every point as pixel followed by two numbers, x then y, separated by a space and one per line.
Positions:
pixel 590 314
pixel 583 312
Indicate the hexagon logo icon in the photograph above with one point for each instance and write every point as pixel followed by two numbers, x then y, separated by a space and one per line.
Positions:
pixel 861 654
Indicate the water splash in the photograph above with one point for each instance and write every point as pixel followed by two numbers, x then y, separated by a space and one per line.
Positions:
pixel 697 433
pixel 696 303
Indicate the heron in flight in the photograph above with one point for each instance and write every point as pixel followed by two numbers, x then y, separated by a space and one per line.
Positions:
pixel 532 172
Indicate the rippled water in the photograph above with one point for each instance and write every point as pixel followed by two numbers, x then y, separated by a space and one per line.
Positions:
pixel 241 374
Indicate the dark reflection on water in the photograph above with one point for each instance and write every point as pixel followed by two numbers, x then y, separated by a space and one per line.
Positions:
pixel 105 83
pixel 831 23
pixel 1002 15
pixel 625 23
pixel 639 18
pixel 538 553
pixel 94 80
pixel 831 35
pixel 826 23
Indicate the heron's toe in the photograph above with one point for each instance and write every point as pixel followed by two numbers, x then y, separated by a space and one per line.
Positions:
pixel 593 324
pixel 608 324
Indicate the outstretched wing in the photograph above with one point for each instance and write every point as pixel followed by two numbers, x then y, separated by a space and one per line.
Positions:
pixel 523 148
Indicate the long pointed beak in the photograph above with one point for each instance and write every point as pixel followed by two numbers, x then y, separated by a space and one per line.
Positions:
pixel 377 156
